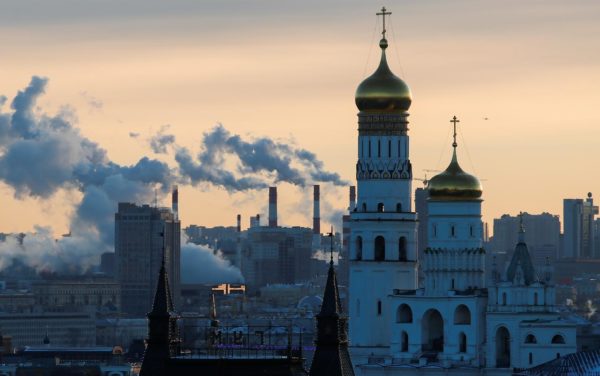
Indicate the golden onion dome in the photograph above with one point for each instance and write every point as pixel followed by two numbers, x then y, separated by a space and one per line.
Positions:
pixel 454 184
pixel 383 91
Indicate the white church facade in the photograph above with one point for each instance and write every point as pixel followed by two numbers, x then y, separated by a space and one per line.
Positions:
pixel 460 318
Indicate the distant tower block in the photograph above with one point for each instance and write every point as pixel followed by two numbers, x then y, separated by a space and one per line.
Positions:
pixel 272 206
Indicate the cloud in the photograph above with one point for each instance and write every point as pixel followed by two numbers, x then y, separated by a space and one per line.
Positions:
pixel 259 162
pixel 41 154
pixel 161 140
pixel 92 101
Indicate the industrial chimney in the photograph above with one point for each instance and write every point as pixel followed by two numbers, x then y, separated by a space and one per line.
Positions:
pixel 238 248
pixel 272 206
pixel 352 205
pixel 316 210
pixel 175 201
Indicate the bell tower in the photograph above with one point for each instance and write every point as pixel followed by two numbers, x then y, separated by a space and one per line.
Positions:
pixel 383 249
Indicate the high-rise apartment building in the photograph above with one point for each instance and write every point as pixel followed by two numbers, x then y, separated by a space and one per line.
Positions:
pixel 141 232
pixel 579 228
pixel 542 236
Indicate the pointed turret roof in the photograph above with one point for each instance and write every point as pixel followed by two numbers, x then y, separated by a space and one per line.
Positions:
pixel 521 260
pixel 331 296
pixel 163 303
pixel 161 327
pixel 331 354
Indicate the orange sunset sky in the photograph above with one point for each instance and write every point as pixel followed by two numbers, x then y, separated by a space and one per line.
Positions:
pixel 289 69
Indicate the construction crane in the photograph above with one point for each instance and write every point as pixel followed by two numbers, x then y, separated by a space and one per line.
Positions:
pixel 425 180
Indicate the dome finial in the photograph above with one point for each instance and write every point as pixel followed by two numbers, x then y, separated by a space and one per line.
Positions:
pixel 454 121
pixel 383 13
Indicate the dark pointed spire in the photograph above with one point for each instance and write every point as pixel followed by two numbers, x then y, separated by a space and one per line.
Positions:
pixel 163 303
pixel 331 356
pixel 520 263
pixel 162 328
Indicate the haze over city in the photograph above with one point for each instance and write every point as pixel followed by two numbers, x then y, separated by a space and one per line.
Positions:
pixel 521 75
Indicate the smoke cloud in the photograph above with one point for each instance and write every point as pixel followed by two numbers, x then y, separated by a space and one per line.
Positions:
pixel 160 141
pixel 41 154
pixel 215 269
pixel 259 162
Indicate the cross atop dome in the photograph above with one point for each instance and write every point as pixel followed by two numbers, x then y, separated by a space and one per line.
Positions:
pixel 383 13
pixel 454 121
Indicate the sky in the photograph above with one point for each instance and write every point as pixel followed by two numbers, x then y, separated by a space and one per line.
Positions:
pixel 288 70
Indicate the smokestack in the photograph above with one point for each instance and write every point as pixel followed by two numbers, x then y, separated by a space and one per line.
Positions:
pixel 272 206
pixel 317 210
pixel 352 205
pixel 238 248
pixel 175 201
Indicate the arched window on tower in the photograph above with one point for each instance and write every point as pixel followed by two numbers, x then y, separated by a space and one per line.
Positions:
pixel 558 340
pixel 530 339
pixel 404 342
pixel 535 298
pixel 399 207
pixel 503 298
pixel 530 358
pixel 359 247
pixel 402 252
pixel 379 248
pixel 379 308
pixel 404 314
pixel 364 206
pixel 462 315
pixel 369 148
pixel 389 148
pixel 378 148
pixel 380 207
pixel 452 231
pixel 462 342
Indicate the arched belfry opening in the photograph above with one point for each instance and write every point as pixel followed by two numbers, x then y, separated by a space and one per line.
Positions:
pixel 432 328
pixel 402 252
pixel 502 348
pixel 379 248
pixel 359 247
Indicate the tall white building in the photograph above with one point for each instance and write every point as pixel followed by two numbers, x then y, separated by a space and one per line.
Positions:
pixel 460 320
pixel 383 252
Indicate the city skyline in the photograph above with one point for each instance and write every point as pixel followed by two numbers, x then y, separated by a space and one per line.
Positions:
pixel 290 72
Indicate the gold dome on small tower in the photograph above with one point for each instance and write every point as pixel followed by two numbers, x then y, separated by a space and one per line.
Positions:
pixel 454 183
pixel 383 91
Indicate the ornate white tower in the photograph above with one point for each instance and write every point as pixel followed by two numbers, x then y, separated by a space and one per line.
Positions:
pixel 455 259
pixel 383 252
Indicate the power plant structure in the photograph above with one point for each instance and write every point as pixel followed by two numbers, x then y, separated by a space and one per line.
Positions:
pixel 275 254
